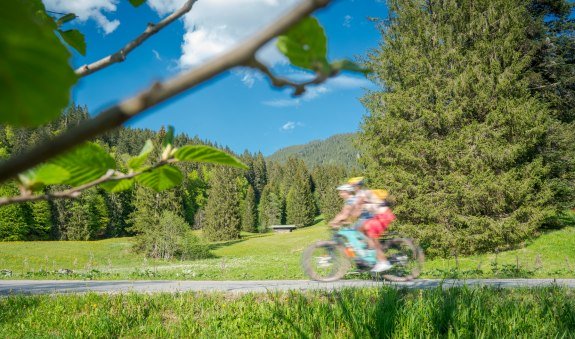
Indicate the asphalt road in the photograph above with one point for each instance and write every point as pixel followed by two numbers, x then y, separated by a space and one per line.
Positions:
pixel 11 287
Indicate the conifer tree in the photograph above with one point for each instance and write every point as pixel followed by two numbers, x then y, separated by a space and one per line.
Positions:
pixel 271 209
pixel 326 179
pixel 300 203
pixel 455 132
pixel 249 211
pixel 222 210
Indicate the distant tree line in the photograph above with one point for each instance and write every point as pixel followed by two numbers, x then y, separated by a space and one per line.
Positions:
pixel 220 201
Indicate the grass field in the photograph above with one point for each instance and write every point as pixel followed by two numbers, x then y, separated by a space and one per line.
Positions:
pixel 267 256
pixel 352 313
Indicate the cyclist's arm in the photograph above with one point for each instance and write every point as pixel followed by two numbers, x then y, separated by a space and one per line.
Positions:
pixel 357 207
pixel 342 217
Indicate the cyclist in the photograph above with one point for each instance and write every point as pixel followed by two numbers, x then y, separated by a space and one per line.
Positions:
pixel 374 217
pixel 347 193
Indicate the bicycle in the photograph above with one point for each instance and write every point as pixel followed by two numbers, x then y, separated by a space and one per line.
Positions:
pixel 330 260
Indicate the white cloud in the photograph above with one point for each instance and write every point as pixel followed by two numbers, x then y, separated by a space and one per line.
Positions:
pixel 87 9
pixel 290 126
pixel 157 55
pixel 348 82
pixel 215 26
pixel 347 21
pixel 283 102
pixel 339 83
pixel 248 76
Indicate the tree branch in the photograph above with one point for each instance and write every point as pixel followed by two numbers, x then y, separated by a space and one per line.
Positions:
pixel 75 192
pixel 157 93
pixel 121 55
pixel 299 88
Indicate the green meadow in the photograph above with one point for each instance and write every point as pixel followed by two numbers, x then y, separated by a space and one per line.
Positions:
pixel 264 256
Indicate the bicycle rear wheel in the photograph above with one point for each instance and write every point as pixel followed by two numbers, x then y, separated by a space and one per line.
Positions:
pixel 325 261
pixel 407 259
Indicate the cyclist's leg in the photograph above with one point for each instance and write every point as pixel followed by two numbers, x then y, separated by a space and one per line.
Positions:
pixel 374 229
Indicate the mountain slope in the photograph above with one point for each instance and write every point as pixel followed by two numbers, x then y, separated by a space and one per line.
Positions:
pixel 335 150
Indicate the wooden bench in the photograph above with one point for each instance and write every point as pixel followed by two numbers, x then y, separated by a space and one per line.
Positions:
pixel 282 228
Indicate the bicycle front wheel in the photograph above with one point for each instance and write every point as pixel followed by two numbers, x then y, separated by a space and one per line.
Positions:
pixel 325 261
pixel 406 258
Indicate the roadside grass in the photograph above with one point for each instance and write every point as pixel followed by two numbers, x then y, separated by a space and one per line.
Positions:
pixel 358 313
pixel 262 257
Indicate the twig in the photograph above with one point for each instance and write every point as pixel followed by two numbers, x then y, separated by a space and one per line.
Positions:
pixel 111 175
pixel 157 93
pixel 299 88
pixel 120 55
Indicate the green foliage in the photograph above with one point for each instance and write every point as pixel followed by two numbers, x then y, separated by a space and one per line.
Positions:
pixel 36 76
pixel 84 164
pixel 13 218
pixel 85 218
pixel 137 3
pixel 157 222
pixel 223 217
pixel 202 153
pixel 326 180
pixel 335 150
pixel 66 18
pixel 271 209
pixel 46 174
pixel 300 202
pixel 161 178
pixel 475 160
pixel 136 163
pixel 75 39
pixel 193 248
pixel 248 210
pixel 305 45
pixel 170 238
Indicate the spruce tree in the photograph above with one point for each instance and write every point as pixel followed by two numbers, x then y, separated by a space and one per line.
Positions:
pixel 300 203
pixel 249 211
pixel 455 133
pixel 326 179
pixel 271 209
pixel 222 210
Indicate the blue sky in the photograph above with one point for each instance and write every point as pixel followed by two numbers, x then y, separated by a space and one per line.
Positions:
pixel 238 109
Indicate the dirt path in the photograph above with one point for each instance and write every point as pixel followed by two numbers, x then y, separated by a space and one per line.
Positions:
pixel 10 287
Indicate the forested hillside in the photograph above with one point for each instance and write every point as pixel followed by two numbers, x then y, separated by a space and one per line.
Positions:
pixel 221 201
pixel 335 150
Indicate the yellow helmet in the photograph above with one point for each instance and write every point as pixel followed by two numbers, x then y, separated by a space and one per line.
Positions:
pixel 356 181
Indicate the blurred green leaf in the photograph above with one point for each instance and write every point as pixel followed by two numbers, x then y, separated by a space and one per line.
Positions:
pixel 35 75
pixel 138 161
pixel 46 174
pixel 137 3
pixel 85 163
pixel 202 153
pixel 305 45
pixel 75 39
pixel 66 18
pixel 116 186
pixel 346 65
pixel 169 137
pixel 161 178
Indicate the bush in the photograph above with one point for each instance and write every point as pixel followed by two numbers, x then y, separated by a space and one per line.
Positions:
pixel 170 238
pixel 192 247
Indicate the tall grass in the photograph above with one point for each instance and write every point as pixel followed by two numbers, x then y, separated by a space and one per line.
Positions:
pixel 351 313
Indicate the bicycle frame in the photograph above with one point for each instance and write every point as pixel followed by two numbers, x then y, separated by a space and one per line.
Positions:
pixel 355 244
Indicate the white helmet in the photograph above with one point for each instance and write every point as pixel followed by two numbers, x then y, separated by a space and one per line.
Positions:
pixel 346 187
